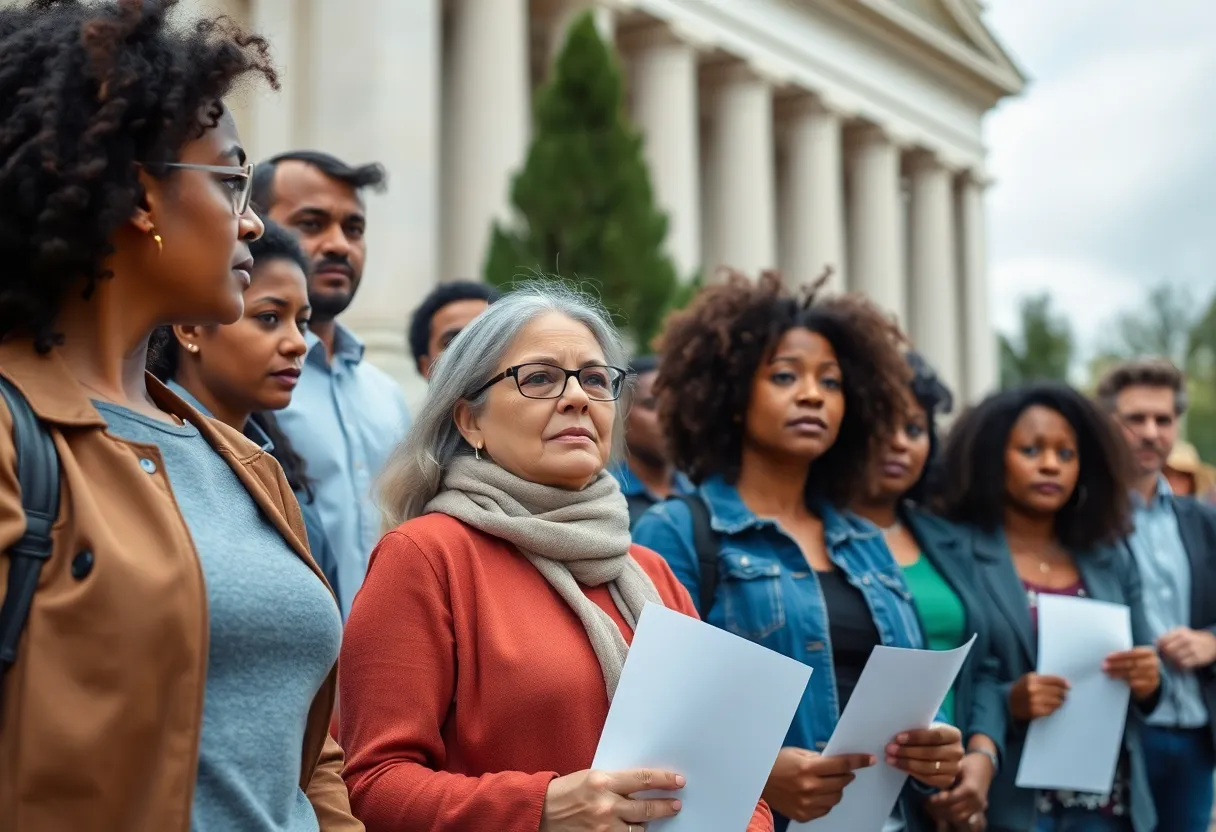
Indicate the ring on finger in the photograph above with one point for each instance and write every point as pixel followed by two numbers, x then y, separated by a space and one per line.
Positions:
pixel 937 765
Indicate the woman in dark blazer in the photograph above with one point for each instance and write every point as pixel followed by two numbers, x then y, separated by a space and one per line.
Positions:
pixel 942 581
pixel 1041 476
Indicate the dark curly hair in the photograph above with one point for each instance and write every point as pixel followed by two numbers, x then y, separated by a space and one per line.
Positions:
pixel 711 351
pixel 932 394
pixel 87 91
pixel 970 483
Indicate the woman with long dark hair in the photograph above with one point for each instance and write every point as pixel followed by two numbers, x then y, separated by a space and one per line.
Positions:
pixel 1042 477
pixel 177 666
pixel 944 585
pixel 243 372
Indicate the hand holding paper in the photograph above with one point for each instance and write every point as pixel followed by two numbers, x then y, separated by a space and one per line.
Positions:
pixel 804 785
pixel 899 692
pixel 1077 746
pixel 707 705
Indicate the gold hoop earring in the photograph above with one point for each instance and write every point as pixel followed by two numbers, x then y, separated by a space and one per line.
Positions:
pixel 160 244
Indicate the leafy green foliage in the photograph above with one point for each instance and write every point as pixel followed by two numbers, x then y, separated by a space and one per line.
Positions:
pixel 1042 350
pixel 584 201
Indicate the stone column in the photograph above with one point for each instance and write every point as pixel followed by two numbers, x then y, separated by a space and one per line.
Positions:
pixel 933 306
pixel 742 205
pixel 876 253
pixel 665 109
pixel 980 363
pixel 812 209
pixel 488 117
pixel 568 11
pixel 383 108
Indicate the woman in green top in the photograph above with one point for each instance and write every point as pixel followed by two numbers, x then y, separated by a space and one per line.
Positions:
pixel 943 584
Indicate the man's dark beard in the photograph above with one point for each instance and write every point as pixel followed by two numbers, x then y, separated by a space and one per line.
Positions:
pixel 648 458
pixel 328 307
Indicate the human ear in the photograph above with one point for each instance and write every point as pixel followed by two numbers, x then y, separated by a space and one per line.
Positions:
pixel 466 423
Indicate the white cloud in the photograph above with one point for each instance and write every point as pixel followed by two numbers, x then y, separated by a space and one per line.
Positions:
pixel 1106 167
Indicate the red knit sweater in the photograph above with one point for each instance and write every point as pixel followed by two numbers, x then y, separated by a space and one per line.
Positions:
pixel 467 684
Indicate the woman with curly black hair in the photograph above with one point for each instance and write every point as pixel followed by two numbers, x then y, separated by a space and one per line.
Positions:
pixel 944 585
pixel 174 659
pixel 1042 477
pixel 774 407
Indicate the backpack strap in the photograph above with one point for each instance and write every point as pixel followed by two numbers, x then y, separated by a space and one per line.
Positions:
pixel 38 478
pixel 638 505
pixel 705 541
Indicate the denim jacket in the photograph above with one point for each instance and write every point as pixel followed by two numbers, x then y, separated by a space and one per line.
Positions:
pixel 768 593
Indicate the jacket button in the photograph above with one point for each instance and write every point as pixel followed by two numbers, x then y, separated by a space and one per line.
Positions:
pixel 148 465
pixel 82 565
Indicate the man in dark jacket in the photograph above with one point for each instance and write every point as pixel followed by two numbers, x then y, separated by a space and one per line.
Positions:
pixel 1174 543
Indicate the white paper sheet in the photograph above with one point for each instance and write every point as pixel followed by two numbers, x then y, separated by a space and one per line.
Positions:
pixel 1076 747
pixel 706 704
pixel 899 690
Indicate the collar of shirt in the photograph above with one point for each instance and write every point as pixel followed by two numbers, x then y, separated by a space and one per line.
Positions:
pixel 1162 497
pixel 252 431
pixel 347 346
pixel 730 515
pixel 631 485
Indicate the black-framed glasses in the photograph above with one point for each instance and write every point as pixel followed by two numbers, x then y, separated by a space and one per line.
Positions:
pixel 239 180
pixel 548 381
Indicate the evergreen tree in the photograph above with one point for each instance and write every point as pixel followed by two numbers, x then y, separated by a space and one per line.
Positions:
pixel 584 201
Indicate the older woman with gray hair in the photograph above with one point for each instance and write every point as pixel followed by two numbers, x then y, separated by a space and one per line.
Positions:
pixel 484 648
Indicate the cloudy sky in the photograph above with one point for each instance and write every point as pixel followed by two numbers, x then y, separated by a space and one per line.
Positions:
pixel 1105 168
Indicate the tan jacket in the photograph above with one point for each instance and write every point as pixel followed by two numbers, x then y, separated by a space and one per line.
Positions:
pixel 103 710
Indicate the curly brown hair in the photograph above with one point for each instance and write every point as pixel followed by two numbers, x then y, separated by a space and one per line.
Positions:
pixel 712 350
pixel 87 91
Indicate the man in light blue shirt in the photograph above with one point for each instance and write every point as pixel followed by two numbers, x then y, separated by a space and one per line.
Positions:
pixel 1174 543
pixel 346 415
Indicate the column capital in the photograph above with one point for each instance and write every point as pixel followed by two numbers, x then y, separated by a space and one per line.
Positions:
pixel 809 103
pixel 872 133
pixel 734 71
pixel 976 177
pixel 661 33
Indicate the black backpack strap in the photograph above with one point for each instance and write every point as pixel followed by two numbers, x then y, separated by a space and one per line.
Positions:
pixel 705 541
pixel 38 477
pixel 638 505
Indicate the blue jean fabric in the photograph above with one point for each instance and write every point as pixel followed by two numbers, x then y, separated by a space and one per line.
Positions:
pixel 1180 771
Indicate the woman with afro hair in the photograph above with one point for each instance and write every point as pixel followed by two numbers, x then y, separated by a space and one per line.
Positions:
pixel 774 406
pixel 170 666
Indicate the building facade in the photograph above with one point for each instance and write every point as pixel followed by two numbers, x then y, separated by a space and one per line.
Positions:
pixel 790 134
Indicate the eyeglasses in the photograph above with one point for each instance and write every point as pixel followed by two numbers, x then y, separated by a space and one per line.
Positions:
pixel 546 381
pixel 239 180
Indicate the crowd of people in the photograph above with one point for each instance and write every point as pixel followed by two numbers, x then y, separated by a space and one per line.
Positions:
pixel 245 589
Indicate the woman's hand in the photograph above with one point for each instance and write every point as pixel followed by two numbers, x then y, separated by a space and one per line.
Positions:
pixel 1138 667
pixel 804 785
pixel 1034 696
pixel 931 755
pixel 969 796
pixel 598 801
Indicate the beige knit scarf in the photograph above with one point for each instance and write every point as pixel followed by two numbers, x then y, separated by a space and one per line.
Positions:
pixel 571 537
